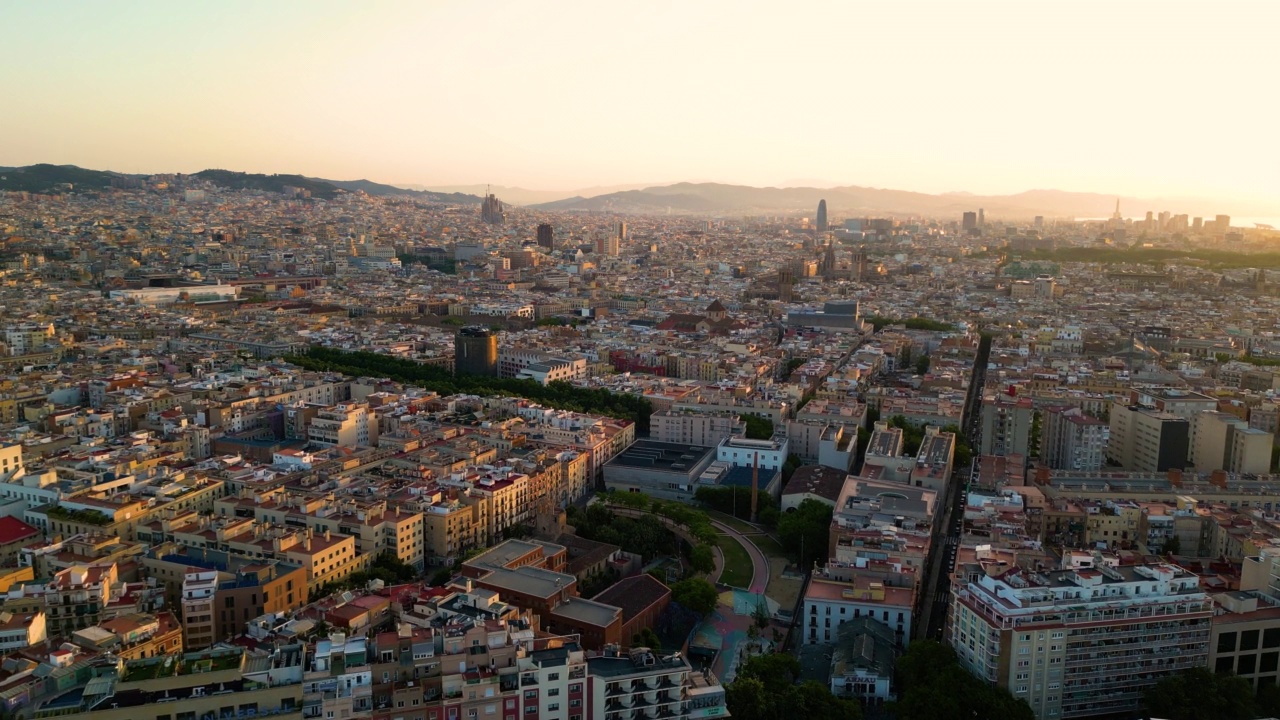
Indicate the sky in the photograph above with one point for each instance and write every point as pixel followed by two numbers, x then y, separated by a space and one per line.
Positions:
pixel 1148 99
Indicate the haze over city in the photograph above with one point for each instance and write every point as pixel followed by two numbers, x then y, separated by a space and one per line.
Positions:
pixel 695 360
pixel 1139 99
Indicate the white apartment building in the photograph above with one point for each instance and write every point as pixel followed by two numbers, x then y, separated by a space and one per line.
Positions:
pixel 1081 641
pixel 344 425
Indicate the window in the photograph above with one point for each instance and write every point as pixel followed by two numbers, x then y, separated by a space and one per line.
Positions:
pixel 1268 662
pixel 1249 640
pixel 553 707
pixel 553 692
pixel 1227 642
pixel 1246 664
pixel 1224 665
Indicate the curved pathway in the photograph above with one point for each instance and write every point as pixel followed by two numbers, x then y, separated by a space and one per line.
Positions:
pixel 759 565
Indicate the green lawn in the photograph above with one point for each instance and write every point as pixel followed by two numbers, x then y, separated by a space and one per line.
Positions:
pixel 737 563
pixel 768 546
pixel 740 525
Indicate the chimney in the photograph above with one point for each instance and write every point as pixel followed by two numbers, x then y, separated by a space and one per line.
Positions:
pixel 1219 478
pixel 1175 477
pixel 755 487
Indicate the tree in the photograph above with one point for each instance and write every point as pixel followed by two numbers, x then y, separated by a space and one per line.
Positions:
pixel 696 594
pixel 702 559
pixel 647 638
pixel 1172 546
pixel 933 684
pixel 1198 694
pixel 804 531
pixel 758 428
pixel 922 364
pixel 765 689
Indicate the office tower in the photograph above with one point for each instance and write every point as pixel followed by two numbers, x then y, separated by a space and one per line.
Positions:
pixel 785 280
pixel 1222 223
pixel 1150 222
pixel 822 216
pixel 1164 219
pixel 475 352
pixel 1006 425
pixel 1085 640
pixel 607 246
pixel 1197 224
pixel 546 236
pixel 622 232
pixel 1073 440
pixel 970 221
pixel 1116 215
pixel 1040 222
pixel 491 210
pixel 982 218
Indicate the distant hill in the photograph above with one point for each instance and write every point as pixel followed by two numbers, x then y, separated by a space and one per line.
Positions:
pixel 44 177
pixel 268 183
pixel 524 196
pixel 379 189
pixel 716 198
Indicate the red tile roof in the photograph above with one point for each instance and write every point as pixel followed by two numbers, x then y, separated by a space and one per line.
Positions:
pixel 13 530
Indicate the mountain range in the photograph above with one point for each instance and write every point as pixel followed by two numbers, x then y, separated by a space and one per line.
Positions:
pixel 44 177
pixel 685 198
pixel 525 196
pixel 720 199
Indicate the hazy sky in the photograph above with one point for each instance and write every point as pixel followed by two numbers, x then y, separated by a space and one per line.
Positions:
pixel 1140 98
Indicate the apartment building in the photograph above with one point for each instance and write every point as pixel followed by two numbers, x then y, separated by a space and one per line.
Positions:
pixel 645 683
pixel 1073 440
pixel 344 425
pixel 1083 640
pixel 538 365
pixel 1147 440
pixel 1006 425
pixel 694 428
pixel 1225 442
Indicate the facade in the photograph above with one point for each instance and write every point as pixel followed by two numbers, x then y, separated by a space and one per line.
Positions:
pixel 1225 442
pixel 1147 440
pixel 1006 425
pixel 669 471
pixel 1073 440
pixel 546 236
pixel 475 352
pixel 537 365
pixel 744 452
pixel 829 601
pixel 705 429
pixel 344 425
pixel 1081 641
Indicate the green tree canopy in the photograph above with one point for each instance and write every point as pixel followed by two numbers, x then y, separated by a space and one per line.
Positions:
pixel 696 594
pixel 1198 694
pixel 804 531
pixel 765 689
pixel 932 684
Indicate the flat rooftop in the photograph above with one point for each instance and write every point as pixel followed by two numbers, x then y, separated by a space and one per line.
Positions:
pixel 533 581
pixel 587 612
pixel 663 456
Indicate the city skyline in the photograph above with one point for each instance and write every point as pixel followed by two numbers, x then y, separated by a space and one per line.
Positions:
pixel 1120 100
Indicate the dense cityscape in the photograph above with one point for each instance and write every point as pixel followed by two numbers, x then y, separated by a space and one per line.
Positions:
pixel 569 360
pixel 384 456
